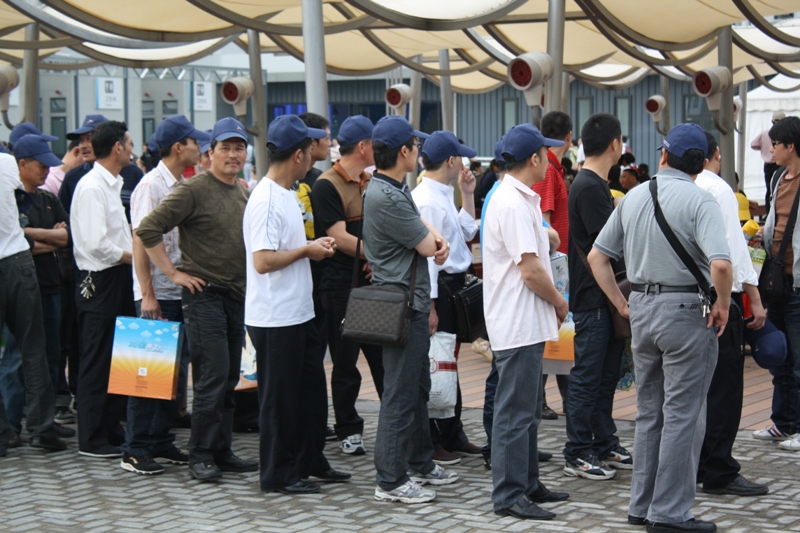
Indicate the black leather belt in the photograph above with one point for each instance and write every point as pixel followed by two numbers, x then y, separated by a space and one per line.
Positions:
pixel 656 289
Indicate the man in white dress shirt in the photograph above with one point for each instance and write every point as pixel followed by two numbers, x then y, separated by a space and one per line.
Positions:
pixel 442 157
pixel 103 251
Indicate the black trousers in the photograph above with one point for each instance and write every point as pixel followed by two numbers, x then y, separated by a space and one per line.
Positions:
pixel 99 412
pixel 724 404
pixel 448 433
pixel 70 350
pixel 345 377
pixel 293 400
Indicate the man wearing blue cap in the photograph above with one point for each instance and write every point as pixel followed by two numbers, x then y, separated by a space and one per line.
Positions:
pixel 397 239
pixel 208 211
pixel 279 313
pixel 21 302
pixel 147 436
pixel 338 213
pixel 674 335
pixel 435 199
pixel 523 310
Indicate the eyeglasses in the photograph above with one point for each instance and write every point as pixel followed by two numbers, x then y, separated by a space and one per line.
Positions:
pixel 775 143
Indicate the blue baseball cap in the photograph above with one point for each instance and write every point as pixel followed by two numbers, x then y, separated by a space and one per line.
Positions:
pixel 443 144
pixel 4 150
pixel 35 146
pixel 176 128
pixel 205 146
pixel 394 131
pixel 287 131
pixel 683 137
pixel 498 150
pixel 26 128
pixel 228 128
pixel 768 344
pixel 89 124
pixel 521 142
pixel 355 129
pixel 152 145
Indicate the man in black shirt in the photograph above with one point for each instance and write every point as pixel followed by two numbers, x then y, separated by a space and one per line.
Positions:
pixel 592 447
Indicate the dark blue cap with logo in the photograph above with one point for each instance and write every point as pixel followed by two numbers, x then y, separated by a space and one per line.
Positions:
pixel 394 131
pixel 355 129
pixel 26 128
pixel 768 344
pixel 287 131
pixel 228 128
pixel 444 144
pixel 89 124
pixel 35 146
pixel 205 146
pixel 521 142
pixel 175 129
pixel 683 137
pixel 498 150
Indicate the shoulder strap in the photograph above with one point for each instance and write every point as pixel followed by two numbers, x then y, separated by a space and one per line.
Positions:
pixel 684 256
pixel 787 235
pixel 774 181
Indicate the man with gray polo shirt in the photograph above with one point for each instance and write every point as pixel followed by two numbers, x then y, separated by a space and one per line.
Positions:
pixel 674 333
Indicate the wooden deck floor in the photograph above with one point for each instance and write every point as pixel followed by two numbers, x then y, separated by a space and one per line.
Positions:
pixel 473 369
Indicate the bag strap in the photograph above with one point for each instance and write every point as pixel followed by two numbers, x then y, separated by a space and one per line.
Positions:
pixel 787 235
pixel 684 256
pixel 774 180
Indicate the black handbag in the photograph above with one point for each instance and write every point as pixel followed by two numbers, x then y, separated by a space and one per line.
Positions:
pixel 468 309
pixel 771 281
pixel 376 314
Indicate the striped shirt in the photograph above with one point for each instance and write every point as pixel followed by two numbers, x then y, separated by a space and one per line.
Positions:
pixel 783 206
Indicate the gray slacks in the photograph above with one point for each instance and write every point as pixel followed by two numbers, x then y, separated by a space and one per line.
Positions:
pixel 674 356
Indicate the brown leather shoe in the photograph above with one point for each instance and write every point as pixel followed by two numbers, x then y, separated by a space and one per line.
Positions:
pixel 443 457
pixel 468 450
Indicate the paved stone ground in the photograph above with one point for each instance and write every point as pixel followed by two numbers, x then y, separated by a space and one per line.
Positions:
pixel 63 492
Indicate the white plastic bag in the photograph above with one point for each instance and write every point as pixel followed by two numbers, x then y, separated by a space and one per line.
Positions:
pixel 444 375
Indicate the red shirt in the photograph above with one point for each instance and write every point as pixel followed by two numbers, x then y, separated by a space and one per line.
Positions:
pixel 555 199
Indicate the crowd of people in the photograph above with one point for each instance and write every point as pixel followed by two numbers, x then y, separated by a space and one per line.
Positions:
pixel 91 237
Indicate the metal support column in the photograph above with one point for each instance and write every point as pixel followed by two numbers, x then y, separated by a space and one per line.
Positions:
pixel 259 104
pixel 30 77
pixel 741 147
pixel 556 15
pixel 448 122
pixel 726 141
pixel 415 107
pixel 314 58
pixel 666 123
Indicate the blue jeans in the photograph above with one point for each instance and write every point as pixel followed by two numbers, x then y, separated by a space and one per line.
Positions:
pixel 592 382
pixel 786 377
pixel 517 414
pixel 149 419
pixel 12 380
pixel 404 437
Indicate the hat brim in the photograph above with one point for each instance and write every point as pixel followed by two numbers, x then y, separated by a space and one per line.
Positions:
pixel 205 147
pixel 200 136
pixel 466 151
pixel 316 133
pixel 230 135
pixel 48 159
pixel 552 142
pixel 74 135
pixel 420 134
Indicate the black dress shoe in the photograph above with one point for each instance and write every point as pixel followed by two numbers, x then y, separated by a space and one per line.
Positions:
pixel 62 432
pixel 637 520
pixel 330 434
pixel 236 464
pixel 184 421
pixel 548 414
pixel 543 495
pixel 333 476
pixel 301 487
pixel 15 441
pixel 48 443
pixel 525 509
pixel 692 526
pixel 740 487
pixel 544 456
pixel 205 471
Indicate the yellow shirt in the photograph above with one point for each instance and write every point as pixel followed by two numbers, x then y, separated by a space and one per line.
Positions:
pixel 744 207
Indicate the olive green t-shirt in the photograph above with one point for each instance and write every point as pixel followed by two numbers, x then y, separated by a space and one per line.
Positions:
pixel 208 214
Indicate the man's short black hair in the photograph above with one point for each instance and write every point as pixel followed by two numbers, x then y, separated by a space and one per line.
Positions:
pixel 513 165
pixel 312 120
pixel 167 150
pixel 386 159
pixel 106 135
pixel 279 156
pixel 691 163
pixel 787 131
pixel 475 165
pixel 627 159
pixel 350 148
pixel 599 131
pixel 433 167
pixel 712 145
pixel 556 125
pixel 149 159
pixel 215 142
pixel 74 143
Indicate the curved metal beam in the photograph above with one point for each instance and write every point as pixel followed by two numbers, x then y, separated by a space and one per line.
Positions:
pixel 613 86
pixel 486 71
pixel 485 47
pixel 419 23
pixel 589 64
pixel 761 79
pixel 602 15
pixel 603 79
pixel 504 41
pixel 68 66
pixel 137 63
pixel 764 25
pixel 777 67
pixel 295 30
pixel 38 45
pixel 762 54
pixel 434 80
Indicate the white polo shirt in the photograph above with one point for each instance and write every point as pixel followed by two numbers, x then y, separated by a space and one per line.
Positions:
pixel 12 238
pixel 515 316
pixel 436 204
pixel 273 221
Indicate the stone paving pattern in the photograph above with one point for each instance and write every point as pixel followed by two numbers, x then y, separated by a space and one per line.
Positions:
pixel 63 492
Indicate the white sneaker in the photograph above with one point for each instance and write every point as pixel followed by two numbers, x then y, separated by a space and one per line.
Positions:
pixel 354 445
pixel 408 492
pixel 437 476
pixel 792 444
pixel 770 433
